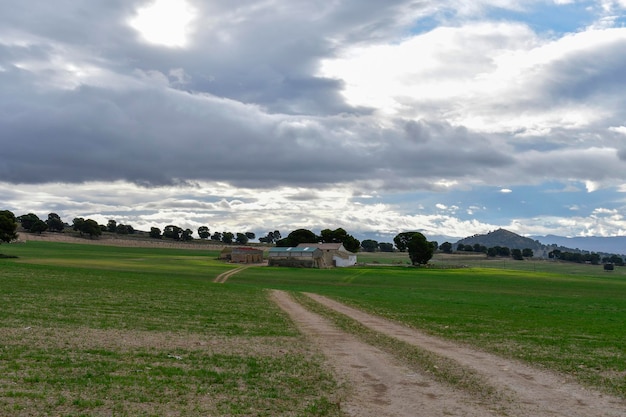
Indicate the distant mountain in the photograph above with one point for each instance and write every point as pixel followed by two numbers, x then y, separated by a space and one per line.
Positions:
pixel 541 245
pixel 612 245
pixel 504 238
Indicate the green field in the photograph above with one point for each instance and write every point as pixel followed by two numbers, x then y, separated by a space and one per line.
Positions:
pixel 101 330
pixel 98 331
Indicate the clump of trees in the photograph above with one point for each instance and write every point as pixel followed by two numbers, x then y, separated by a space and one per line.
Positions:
pixel 577 257
pixel 89 227
pixel 370 245
pixel 494 251
pixel 339 235
pixel 120 229
pixel 271 237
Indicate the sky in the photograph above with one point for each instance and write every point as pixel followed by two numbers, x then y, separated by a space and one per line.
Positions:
pixel 448 117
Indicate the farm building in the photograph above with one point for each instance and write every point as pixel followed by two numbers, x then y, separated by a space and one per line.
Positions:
pixel 334 254
pixel 301 257
pixel 242 255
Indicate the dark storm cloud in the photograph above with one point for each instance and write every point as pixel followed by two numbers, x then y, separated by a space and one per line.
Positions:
pixel 151 135
pixel 588 73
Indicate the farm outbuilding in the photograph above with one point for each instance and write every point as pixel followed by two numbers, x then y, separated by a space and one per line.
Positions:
pixel 242 255
pixel 300 257
pixel 334 254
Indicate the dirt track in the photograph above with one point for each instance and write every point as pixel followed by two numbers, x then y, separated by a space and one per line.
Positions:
pixel 382 386
pixel 223 277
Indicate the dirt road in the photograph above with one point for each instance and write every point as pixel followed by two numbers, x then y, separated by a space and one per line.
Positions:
pixel 383 386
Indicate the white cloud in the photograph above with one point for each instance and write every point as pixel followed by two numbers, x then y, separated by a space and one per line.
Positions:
pixel 164 22
pixel 479 75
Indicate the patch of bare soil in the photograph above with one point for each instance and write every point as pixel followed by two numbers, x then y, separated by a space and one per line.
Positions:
pixel 383 386
pixel 123 341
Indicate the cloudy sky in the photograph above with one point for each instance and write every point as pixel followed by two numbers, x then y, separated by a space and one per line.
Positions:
pixel 450 117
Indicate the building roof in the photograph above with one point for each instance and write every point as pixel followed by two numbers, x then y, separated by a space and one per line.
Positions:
pixel 248 250
pixel 325 246
pixel 292 249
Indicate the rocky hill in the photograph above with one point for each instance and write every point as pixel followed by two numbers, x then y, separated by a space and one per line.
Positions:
pixel 504 238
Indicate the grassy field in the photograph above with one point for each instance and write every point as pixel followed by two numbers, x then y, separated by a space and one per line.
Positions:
pixel 102 330
pixel 99 331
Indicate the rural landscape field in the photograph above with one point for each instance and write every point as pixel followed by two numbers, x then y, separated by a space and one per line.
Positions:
pixel 95 330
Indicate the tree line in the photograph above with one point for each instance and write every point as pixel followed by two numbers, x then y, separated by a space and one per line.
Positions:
pixel 33 224
pixel 420 250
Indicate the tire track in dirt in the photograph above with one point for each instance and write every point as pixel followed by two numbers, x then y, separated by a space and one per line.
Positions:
pixel 379 384
pixel 534 392
pixel 223 277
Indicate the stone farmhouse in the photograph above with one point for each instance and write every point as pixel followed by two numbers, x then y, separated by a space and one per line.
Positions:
pixel 312 255
pixel 242 255
pixel 335 254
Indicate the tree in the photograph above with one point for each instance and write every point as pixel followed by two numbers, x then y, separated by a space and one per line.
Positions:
pixel 617 260
pixel 402 239
pixel 155 233
pixel 420 250
pixel 555 254
pixel 435 245
pixel 172 232
pixel 492 252
pixel 298 236
pixel 241 239
pixel 27 220
pixel 186 235
pixel 517 254
pixel 8 226
pixel 369 245
pixel 54 222
pixel 460 247
pixel 340 236
pixel 77 224
pixel 527 253
pixel 446 247
pixel 352 244
pixel 227 237
pixel 593 258
pixel 121 229
pixel 89 226
pixel 479 248
pixel 112 226
pixel 203 232
pixel 217 236
pixel 250 235
pixel 271 237
pixel 39 227
pixel 385 247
